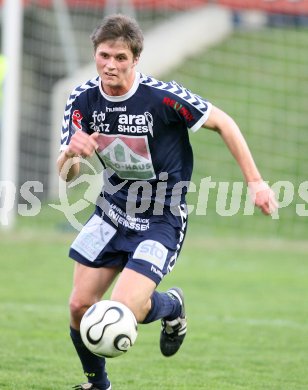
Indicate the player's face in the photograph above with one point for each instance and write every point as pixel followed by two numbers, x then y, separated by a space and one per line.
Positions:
pixel 115 64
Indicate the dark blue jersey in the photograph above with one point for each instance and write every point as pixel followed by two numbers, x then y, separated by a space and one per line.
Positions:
pixel 143 136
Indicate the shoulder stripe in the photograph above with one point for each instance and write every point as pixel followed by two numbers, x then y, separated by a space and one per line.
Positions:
pixel 177 89
pixel 93 83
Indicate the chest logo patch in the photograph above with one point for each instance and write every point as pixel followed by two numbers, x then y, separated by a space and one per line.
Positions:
pixel 128 156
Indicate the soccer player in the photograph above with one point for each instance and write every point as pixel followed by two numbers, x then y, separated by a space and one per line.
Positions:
pixel 138 127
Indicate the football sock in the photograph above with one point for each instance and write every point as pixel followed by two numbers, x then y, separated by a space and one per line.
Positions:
pixel 165 306
pixel 93 366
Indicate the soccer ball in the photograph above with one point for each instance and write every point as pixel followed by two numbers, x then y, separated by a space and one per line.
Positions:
pixel 108 328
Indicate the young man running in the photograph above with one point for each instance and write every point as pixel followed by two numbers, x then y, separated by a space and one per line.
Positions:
pixel 138 126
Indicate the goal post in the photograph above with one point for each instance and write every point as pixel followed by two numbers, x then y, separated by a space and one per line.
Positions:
pixel 11 44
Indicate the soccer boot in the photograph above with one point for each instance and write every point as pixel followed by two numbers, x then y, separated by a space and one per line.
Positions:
pixel 88 386
pixel 173 332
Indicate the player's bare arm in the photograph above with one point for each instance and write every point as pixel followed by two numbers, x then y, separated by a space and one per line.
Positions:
pixel 261 194
pixel 81 145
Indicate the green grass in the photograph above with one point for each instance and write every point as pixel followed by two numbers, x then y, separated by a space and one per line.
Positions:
pixel 246 303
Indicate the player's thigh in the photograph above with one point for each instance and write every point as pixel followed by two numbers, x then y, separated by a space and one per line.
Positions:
pixel 90 284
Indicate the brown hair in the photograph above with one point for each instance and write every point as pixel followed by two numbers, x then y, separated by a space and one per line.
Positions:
pixel 119 26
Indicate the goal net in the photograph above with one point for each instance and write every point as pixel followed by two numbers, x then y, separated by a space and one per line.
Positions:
pixel 259 75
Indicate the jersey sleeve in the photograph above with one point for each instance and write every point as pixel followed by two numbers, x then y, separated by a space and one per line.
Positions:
pixel 73 120
pixel 189 107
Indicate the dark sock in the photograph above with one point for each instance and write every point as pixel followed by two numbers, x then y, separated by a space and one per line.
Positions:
pixel 93 366
pixel 165 306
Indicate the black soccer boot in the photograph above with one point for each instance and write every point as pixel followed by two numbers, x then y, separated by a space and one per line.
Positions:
pixel 173 332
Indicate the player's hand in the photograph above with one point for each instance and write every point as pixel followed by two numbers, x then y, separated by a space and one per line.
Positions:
pixel 263 196
pixel 82 144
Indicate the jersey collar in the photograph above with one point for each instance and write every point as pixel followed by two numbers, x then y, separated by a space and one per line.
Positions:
pixel 124 97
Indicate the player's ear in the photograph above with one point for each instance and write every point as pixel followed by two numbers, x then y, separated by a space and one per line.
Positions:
pixel 94 52
pixel 135 61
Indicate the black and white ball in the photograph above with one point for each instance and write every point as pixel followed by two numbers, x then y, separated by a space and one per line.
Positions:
pixel 108 328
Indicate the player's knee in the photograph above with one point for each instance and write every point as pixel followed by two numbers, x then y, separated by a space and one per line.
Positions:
pixel 77 308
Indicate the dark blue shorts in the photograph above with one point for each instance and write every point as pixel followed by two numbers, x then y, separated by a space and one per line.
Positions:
pixel 147 244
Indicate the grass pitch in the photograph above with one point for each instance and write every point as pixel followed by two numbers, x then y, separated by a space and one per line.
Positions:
pixel 246 304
